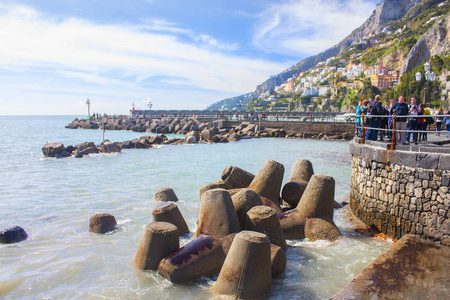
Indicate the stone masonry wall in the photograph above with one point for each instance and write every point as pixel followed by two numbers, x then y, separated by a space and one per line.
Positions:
pixel 401 192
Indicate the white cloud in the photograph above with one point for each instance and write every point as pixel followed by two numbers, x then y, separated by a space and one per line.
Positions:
pixel 307 27
pixel 120 56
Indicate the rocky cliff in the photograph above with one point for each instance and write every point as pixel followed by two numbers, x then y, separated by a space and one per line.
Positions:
pixel 388 10
pixel 435 41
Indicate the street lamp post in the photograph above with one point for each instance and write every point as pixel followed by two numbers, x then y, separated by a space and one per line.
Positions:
pixel 240 106
pixel 429 76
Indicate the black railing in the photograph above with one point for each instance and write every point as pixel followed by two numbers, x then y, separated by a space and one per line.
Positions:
pixel 393 131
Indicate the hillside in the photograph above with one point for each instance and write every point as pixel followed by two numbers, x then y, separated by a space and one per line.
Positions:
pixel 399 35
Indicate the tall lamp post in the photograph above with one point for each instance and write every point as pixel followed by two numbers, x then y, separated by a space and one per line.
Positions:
pixel 429 76
pixel 149 105
pixel 240 106
pixel 88 103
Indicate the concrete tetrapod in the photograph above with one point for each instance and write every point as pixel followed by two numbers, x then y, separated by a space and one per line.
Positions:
pixel 235 177
pixel 265 220
pixel 102 223
pixel 158 241
pixel 277 254
pixel 317 201
pixel 217 216
pixel 211 186
pixel 318 198
pixel 202 257
pixel 270 203
pixel 267 182
pixel 165 195
pixel 278 260
pixel 246 272
pixel 293 191
pixel 302 170
pixel 321 229
pixel 169 212
pixel 301 173
pixel 243 201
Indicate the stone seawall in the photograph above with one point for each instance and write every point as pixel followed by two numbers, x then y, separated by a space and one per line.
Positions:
pixel 401 192
pixel 312 128
pixel 327 130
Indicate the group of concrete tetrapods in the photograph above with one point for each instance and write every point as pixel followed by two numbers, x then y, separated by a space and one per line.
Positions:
pixel 242 228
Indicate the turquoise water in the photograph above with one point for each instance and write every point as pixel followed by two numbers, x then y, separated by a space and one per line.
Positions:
pixel 53 200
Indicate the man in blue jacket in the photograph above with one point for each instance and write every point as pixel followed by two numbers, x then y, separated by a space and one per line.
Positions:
pixel 374 122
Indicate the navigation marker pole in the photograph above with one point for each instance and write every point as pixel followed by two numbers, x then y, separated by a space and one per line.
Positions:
pixel 88 103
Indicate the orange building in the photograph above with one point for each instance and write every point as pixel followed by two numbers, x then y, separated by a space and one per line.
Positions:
pixel 382 81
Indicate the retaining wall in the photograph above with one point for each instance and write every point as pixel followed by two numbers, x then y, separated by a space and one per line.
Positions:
pixel 402 191
pixel 314 128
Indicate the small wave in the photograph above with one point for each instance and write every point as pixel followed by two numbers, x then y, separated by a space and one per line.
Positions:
pixel 125 221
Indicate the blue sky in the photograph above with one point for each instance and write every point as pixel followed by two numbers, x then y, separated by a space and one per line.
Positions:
pixel 182 54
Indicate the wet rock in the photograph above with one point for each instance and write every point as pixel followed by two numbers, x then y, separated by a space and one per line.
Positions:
pixel 51 149
pixel 108 147
pixel 13 235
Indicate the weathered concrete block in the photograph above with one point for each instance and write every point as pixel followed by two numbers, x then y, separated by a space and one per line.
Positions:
pixel 235 177
pixel 409 159
pixel 444 162
pixel 203 256
pixel 321 229
pixel 160 239
pixel 217 216
pixel 265 220
pixel 427 161
pixel 302 170
pixel 243 201
pixel 169 212
pixel 165 195
pixel 102 223
pixel 267 182
pixel 246 272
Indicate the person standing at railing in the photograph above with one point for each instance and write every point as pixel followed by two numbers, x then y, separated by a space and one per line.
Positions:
pixel 390 123
pixel 383 122
pixel 358 118
pixel 413 123
pixel 423 122
pixel 400 109
pixel 439 121
pixel 447 122
pixel 374 122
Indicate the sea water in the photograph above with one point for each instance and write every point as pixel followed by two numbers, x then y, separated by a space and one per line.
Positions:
pixel 53 200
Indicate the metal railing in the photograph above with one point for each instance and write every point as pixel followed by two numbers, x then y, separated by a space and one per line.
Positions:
pixel 362 130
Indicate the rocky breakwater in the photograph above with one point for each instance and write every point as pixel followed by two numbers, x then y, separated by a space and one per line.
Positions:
pixel 215 131
pixel 193 130
pixel 241 229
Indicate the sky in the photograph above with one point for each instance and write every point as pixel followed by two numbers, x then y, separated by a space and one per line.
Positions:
pixel 177 54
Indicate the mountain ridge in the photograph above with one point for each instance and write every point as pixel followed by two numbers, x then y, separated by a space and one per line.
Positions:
pixel 385 12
